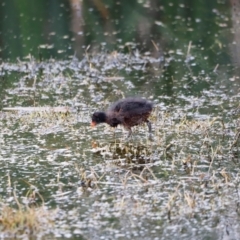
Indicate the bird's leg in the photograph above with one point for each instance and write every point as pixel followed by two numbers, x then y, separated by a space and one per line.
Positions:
pixel 129 132
pixel 128 128
pixel 150 130
pixel 149 126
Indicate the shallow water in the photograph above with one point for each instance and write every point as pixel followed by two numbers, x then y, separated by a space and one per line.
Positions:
pixel 183 182
pixel 96 184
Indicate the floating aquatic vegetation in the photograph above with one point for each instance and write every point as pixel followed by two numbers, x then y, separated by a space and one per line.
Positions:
pixel 97 184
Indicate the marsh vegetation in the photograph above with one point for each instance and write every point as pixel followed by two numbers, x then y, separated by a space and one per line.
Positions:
pixel 60 178
pixel 95 183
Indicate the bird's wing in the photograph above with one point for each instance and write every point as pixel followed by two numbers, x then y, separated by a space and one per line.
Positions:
pixel 133 108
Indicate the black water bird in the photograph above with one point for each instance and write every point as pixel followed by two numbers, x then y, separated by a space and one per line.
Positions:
pixel 128 112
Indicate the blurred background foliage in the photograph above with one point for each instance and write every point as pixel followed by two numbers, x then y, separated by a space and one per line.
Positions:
pixel 58 29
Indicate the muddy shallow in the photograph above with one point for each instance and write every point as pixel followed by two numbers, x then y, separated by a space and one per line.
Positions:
pixel 94 182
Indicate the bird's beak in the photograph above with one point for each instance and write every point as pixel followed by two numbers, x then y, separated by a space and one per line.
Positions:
pixel 93 124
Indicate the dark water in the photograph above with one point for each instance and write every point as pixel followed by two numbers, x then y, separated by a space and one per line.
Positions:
pixel 61 29
pixel 96 184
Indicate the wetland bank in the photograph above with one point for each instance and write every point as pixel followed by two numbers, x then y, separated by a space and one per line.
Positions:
pixel 62 179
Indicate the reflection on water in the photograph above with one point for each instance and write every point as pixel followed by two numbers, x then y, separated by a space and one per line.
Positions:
pixel 64 28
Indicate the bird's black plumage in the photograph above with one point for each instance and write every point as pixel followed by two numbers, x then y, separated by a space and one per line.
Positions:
pixel 129 112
